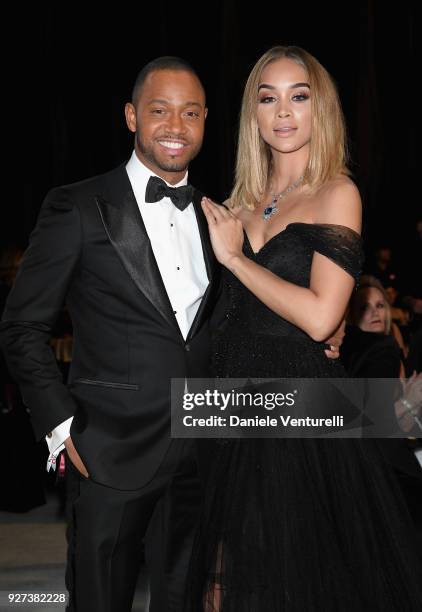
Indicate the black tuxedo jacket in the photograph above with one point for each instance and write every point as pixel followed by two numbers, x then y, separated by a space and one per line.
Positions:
pixel 91 250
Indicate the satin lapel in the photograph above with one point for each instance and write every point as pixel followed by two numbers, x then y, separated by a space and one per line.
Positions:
pixel 126 231
pixel 211 265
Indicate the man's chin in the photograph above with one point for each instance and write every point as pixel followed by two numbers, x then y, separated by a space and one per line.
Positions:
pixel 178 166
pixel 164 162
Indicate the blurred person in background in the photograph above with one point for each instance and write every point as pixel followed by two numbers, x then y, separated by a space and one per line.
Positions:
pixel 373 345
pixel 373 348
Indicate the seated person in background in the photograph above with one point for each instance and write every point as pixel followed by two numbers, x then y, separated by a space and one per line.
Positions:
pixel 373 347
pixel 370 350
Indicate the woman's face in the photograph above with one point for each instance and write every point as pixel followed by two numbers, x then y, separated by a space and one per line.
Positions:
pixel 284 106
pixel 370 310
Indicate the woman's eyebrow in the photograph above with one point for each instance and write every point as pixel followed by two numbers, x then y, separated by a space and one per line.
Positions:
pixel 294 86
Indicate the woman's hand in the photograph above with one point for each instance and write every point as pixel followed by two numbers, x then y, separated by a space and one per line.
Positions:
pixel 336 341
pixel 408 408
pixel 412 389
pixel 226 232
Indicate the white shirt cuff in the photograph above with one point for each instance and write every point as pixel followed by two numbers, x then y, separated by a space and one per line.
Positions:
pixel 55 442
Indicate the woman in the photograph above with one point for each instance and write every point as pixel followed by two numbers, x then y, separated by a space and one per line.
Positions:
pixel 372 348
pixel 369 348
pixel 294 524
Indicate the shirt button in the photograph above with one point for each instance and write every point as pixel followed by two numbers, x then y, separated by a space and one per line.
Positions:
pixel 175 311
pixel 171 224
pixel 187 348
pixel 178 267
pixel 49 435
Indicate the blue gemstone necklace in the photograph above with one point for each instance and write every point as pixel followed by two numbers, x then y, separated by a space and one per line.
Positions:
pixel 272 209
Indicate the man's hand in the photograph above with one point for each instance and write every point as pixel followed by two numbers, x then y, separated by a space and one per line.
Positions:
pixel 336 341
pixel 74 457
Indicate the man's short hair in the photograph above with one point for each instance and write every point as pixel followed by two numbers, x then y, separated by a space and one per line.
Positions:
pixel 167 62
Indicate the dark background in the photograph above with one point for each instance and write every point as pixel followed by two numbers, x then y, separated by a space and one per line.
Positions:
pixel 73 67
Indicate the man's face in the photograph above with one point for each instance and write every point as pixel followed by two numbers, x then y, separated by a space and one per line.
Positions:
pixel 168 122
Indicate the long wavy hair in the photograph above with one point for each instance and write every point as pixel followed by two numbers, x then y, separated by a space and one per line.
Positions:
pixel 328 150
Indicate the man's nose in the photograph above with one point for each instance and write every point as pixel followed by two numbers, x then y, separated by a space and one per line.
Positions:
pixel 175 123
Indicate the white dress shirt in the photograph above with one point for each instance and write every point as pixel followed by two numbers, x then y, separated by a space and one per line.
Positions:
pixel 177 248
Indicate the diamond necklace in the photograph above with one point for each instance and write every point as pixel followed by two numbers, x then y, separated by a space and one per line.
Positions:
pixel 272 209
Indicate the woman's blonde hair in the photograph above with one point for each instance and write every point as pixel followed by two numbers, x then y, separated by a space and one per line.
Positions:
pixel 368 281
pixel 328 154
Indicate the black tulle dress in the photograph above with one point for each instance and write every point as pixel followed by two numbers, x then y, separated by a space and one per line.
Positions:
pixel 298 525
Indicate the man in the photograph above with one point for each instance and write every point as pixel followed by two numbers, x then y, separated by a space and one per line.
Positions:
pixel 131 257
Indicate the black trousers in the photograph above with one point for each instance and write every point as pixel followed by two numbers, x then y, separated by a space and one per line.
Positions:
pixel 107 528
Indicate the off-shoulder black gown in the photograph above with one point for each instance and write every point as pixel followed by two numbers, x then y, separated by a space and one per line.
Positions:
pixel 298 525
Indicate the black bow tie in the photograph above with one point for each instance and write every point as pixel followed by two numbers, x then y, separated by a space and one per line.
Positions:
pixel 157 190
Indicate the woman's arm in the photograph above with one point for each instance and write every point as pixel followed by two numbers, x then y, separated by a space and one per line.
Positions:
pixel 317 310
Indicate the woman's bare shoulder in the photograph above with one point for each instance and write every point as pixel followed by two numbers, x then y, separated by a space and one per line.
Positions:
pixel 339 203
pixel 338 185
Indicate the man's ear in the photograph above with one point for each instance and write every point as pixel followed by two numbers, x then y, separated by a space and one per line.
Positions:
pixel 205 112
pixel 130 114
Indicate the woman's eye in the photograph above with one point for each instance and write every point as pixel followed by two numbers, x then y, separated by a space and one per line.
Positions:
pixel 380 305
pixel 266 99
pixel 300 97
